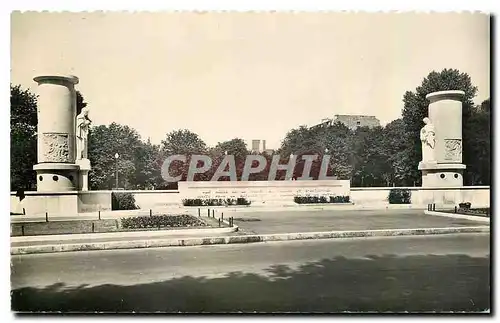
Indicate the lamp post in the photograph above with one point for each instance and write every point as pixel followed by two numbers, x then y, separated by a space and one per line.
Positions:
pixel 116 169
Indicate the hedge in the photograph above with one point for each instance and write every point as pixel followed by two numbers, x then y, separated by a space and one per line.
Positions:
pixel 158 221
pixel 399 196
pixel 123 201
pixel 216 202
pixel 321 199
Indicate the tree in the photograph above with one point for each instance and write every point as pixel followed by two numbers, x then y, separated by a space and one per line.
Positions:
pixel 236 147
pixel 478 133
pixel 416 108
pixel 397 143
pixel 149 163
pixel 371 165
pixel 334 139
pixel 186 143
pixel 339 142
pixel 23 142
pixel 80 102
pixel 104 143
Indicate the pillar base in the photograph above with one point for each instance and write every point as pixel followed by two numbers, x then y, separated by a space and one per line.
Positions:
pixel 56 177
pixel 442 175
pixel 83 178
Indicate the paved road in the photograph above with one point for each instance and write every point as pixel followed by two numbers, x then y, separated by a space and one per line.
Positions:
pixel 336 220
pixel 442 273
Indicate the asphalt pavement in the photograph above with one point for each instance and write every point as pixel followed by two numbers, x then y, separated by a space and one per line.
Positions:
pixel 418 273
pixel 328 220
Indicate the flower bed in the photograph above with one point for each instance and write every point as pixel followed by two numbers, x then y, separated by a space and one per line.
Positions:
pixel 478 211
pixel 139 223
pixel 321 199
pixel 161 221
pixel 216 202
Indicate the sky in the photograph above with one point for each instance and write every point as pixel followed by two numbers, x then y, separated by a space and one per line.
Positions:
pixel 245 75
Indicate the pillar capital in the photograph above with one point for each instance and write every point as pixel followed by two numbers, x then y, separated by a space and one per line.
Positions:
pixel 445 95
pixel 55 79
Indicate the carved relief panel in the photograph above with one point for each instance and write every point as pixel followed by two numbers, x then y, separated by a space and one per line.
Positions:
pixel 57 148
pixel 453 150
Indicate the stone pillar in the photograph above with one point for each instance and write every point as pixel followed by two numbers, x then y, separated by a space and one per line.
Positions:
pixel 83 178
pixel 445 113
pixel 56 169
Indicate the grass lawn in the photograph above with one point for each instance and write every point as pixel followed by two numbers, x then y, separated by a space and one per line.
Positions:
pixel 142 223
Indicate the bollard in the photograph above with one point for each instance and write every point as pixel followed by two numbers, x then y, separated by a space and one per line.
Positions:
pixel 219 222
pixel 455 209
pixel 199 212
pixel 150 212
pixel 222 215
pixel 46 216
pixel 22 229
pixel 208 212
pixel 99 214
pixel 93 229
pixel 24 211
pixel 213 213
pixel 434 207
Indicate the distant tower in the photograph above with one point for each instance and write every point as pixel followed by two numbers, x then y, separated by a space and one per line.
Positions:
pixel 256 145
pixel 263 145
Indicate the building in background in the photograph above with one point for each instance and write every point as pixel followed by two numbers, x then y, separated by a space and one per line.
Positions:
pixel 259 146
pixel 255 146
pixel 355 121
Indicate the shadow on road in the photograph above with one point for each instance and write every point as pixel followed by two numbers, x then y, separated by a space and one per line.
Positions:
pixel 385 283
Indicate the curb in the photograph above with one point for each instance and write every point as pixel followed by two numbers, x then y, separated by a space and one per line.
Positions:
pixel 459 216
pixel 172 242
pixel 124 234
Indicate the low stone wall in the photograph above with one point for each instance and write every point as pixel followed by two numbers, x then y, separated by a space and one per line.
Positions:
pixel 38 203
pixel 93 201
pixel 263 192
pixel 259 193
pixel 158 198
pixel 72 203
pixel 479 196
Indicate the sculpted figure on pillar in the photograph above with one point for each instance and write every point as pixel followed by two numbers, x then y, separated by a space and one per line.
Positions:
pixel 82 131
pixel 428 139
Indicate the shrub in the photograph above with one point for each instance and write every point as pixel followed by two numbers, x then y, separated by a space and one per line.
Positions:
pixel 399 196
pixel 465 205
pixel 158 221
pixel 192 202
pixel 339 199
pixel 123 201
pixel 242 201
pixel 216 202
pixel 320 199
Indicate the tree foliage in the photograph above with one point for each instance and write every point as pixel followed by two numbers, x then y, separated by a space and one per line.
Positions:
pixel 380 156
pixel 132 163
pixel 23 145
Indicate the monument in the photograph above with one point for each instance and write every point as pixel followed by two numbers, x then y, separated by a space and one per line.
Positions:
pixel 56 169
pixel 62 136
pixel 441 139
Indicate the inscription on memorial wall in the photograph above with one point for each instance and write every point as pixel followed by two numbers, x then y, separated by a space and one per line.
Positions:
pixel 57 148
pixel 453 150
